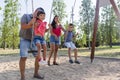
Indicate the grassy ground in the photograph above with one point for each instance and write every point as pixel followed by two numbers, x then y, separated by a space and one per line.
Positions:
pixel 101 51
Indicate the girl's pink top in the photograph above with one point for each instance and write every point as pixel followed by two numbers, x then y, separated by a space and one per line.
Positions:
pixel 40 29
pixel 57 30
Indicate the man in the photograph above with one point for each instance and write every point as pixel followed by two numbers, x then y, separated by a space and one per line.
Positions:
pixel 27 22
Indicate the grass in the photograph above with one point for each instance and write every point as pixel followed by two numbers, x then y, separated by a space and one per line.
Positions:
pixel 108 52
pixel 100 51
pixel 8 52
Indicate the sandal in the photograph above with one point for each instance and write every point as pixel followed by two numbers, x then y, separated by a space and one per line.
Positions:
pixel 22 79
pixel 38 77
pixel 48 63
pixel 55 63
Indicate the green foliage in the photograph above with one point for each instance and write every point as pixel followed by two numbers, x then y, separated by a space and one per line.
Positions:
pixel 10 26
pixel 86 14
pixel 109 26
pixel 81 42
pixel 59 9
pixel 66 25
pixel 108 31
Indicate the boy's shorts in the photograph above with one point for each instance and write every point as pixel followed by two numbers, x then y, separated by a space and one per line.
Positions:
pixel 25 46
pixel 54 41
pixel 39 39
pixel 70 45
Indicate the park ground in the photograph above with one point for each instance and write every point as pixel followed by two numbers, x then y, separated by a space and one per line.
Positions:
pixel 106 65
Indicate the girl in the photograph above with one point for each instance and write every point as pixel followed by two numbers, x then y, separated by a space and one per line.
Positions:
pixel 55 30
pixel 39 30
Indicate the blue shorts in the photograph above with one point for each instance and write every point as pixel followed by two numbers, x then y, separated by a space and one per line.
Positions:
pixel 54 41
pixel 25 46
pixel 70 45
pixel 39 39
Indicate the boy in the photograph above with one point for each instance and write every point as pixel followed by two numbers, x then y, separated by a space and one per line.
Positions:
pixel 69 44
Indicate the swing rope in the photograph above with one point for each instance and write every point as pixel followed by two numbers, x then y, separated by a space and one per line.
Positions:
pixel 49 23
pixel 72 14
pixel 51 12
pixel 31 43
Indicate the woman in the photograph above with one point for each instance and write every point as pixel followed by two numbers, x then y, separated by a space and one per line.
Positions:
pixel 55 30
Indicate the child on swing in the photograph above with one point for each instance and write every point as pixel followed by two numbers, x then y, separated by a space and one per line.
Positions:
pixel 69 44
pixel 55 31
pixel 39 32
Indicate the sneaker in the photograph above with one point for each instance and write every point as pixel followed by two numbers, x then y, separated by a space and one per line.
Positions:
pixel 45 62
pixel 71 61
pixel 77 62
pixel 42 62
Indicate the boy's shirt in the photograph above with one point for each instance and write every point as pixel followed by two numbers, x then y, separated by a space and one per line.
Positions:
pixel 69 36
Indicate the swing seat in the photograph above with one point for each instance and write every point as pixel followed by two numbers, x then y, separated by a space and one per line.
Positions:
pixel 32 51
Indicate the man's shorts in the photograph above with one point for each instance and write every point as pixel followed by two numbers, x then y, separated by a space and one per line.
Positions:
pixel 25 47
pixel 54 41
pixel 70 45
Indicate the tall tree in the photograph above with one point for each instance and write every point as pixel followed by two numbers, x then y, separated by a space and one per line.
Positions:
pixel 107 25
pixel 0 30
pixel 117 27
pixel 86 19
pixel 0 34
pixel 59 9
pixel 10 24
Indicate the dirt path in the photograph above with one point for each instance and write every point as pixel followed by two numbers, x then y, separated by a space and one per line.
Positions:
pixel 100 69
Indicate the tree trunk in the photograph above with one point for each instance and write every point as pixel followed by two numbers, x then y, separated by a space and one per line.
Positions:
pixel 110 34
pixel 13 42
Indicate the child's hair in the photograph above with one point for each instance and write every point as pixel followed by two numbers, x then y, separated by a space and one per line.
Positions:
pixel 40 11
pixel 53 22
pixel 71 24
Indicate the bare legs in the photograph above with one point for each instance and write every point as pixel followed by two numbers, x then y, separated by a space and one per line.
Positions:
pixel 22 67
pixel 22 63
pixel 44 51
pixel 75 55
pixel 69 53
pixel 53 49
pixel 36 66
pixel 55 53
